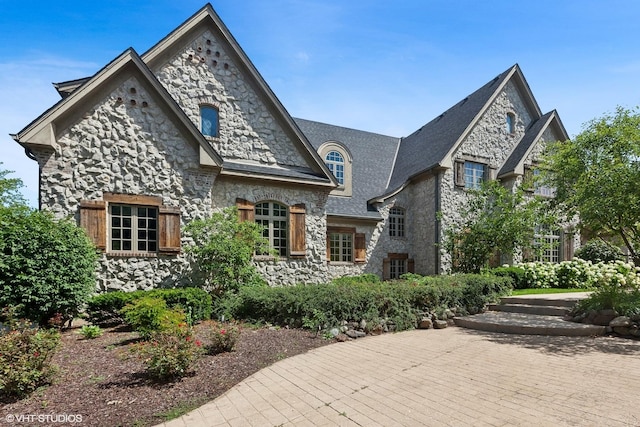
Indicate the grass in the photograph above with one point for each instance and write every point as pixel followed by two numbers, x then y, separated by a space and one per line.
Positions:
pixel 539 291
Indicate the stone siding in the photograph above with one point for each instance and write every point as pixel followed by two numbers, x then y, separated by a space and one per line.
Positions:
pixel 124 148
pixel 203 72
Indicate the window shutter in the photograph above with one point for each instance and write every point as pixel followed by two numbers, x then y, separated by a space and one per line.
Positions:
pixel 328 246
pixel 169 229
pixel 246 210
pixel 386 269
pixel 567 246
pixel 459 173
pixel 93 219
pixel 297 230
pixel 411 265
pixel 360 244
pixel 527 180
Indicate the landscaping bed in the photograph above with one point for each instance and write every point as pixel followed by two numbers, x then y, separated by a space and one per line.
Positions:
pixel 105 383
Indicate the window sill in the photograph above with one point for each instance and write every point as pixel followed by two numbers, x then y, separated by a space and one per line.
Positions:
pixel 340 263
pixel 132 254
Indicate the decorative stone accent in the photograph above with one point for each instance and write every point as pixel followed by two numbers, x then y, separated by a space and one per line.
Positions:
pixel 440 324
pixel 425 323
pixel 621 325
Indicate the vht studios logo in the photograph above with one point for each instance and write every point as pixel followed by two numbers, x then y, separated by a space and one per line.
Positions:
pixel 43 418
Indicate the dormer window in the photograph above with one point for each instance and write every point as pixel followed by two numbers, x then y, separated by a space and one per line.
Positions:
pixel 335 163
pixel 511 123
pixel 209 121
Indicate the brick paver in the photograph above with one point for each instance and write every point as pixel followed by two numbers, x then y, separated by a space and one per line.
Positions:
pixel 450 377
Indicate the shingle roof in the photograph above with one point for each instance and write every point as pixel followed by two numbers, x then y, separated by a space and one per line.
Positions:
pixel 428 146
pixel 525 143
pixel 373 156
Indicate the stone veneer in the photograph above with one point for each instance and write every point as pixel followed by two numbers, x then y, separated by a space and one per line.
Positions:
pixel 125 148
pixel 203 72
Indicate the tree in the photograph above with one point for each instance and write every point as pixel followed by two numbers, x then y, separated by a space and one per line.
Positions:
pixel 596 176
pixel 224 248
pixel 495 219
pixel 10 196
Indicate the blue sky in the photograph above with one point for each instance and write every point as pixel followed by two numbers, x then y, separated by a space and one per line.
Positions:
pixel 383 66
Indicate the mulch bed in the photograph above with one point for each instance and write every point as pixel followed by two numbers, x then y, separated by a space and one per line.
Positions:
pixel 102 381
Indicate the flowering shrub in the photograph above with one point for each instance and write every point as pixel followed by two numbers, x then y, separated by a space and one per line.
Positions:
pixel 222 336
pixel 25 358
pixel 169 353
pixel 579 273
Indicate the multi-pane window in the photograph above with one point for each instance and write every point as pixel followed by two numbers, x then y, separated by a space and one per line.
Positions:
pixel 209 121
pixel 548 243
pixel 341 247
pixel 273 218
pixel 335 163
pixel 396 222
pixel 397 267
pixel 133 228
pixel 474 175
pixel 538 188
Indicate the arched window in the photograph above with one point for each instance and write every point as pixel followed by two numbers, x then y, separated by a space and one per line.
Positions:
pixel 273 217
pixel 396 222
pixel 335 163
pixel 209 120
pixel 511 123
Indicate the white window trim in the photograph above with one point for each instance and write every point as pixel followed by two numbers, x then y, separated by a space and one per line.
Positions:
pixel 346 188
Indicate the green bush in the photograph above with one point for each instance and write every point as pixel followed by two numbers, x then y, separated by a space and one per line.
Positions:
pixel 399 302
pixel 47 266
pixel 90 331
pixel 362 278
pixel 170 353
pixel 149 315
pixel 222 337
pixel 104 309
pixel 625 301
pixel 25 359
pixel 598 251
pixel 517 275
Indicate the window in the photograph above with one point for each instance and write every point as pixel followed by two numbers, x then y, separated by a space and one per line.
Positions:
pixel 547 242
pixel 273 217
pixel 538 188
pixel 133 228
pixel 131 224
pixel 209 121
pixel 474 174
pixel 335 163
pixel 345 245
pixel 511 123
pixel 341 247
pixel 397 264
pixel 396 222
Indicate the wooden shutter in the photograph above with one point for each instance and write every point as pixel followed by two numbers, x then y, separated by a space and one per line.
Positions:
pixel 567 246
pixel 93 219
pixel 458 173
pixel 411 265
pixel 297 230
pixel 328 246
pixel 246 210
pixel 386 269
pixel 169 229
pixel 360 245
pixel 527 179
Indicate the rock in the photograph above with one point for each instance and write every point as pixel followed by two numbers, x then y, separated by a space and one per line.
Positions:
pixel 342 338
pixel 334 332
pixel 634 331
pixel 377 330
pixel 440 324
pixel 425 323
pixel 363 325
pixel 620 322
pixel 351 333
pixel 622 330
pixel 449 314
pixel 360 334
pixel 604 317
pixel 635 318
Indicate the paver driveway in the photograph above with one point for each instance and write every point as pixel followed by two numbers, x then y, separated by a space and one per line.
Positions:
pixel 450 377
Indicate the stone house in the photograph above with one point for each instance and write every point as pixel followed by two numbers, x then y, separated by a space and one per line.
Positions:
pixel 153 141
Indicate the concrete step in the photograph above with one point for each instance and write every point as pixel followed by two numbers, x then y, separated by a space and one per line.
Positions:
pixel 542 310
pixel 552 300
pixel 527 324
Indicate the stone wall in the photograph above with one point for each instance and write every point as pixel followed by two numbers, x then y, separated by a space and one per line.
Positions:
pixel 203 72
pixel 125 148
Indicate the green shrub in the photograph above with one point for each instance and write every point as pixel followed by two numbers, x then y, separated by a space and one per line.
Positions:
pixel 47 266
pixel 598 251
pixel 517 275
pixel 25 359
pixel 90 331
pixel 399 301
pixel 625 301
pixel 104 309
pixel 148 315
pixel 362 278
pixel 170 353
pixel 222 337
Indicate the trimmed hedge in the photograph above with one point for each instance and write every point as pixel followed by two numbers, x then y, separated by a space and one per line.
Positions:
pixel 328 305
pixel 104 309
pixel 517 274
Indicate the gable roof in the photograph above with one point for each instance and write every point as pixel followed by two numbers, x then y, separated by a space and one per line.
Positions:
pixel 431 145
pixel 372 161
pixel 515 162
pixel 208 18
pixel 42 130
